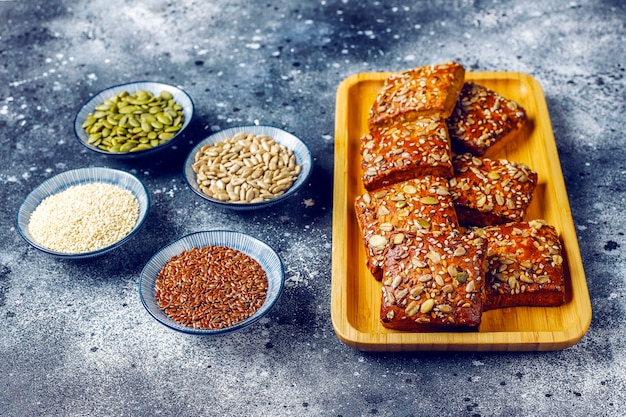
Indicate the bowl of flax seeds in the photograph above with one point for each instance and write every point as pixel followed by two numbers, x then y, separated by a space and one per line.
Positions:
pixel 211 282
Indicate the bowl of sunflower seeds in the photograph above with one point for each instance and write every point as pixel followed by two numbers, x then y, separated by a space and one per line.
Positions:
pixel 248 167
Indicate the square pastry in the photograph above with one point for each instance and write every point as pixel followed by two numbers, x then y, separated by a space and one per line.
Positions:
pixel 422 91
pixel 421 205
pixel 483 121
pixel 491 191
pixel 525 265
pixel 406 150
pixel 434 282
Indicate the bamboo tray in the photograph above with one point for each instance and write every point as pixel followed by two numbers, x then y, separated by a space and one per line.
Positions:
pixel 355 295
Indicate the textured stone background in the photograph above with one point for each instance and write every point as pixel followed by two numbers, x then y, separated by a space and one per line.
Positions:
pixel 74 338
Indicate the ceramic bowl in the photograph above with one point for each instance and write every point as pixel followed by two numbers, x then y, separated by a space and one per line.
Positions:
pixel 81 176
pixel 299 148
pixel 254 248
pixel 180 96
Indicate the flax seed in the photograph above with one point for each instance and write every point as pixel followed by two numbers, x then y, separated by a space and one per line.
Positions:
pixel 211 287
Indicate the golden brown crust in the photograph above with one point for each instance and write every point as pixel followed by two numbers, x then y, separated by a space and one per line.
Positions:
pixel 434 282
pixel 525 265
pixel 483 121
pixel 491 191
pixel 422 91
pixel 421 205
pixel 403 151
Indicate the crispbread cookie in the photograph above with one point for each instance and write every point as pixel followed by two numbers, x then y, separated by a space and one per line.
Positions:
pixel 490 191
pixel 483 121
pixel 402 151
pixel 421 205
pixel 422 91
pixel 434 282
pixel 525 265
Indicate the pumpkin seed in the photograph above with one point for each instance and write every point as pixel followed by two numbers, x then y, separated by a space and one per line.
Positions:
pixel 423 223
pixel 154 118
pixel 430 200
pixel 409 189
pixel 377 241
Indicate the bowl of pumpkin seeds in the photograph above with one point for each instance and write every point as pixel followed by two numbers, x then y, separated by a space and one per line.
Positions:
pixel 248 167
pixel 134 119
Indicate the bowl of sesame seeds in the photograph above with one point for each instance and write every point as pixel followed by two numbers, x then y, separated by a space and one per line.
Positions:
pixel 248 167
pixel 212 282
pixel 83 213
pixel 135 119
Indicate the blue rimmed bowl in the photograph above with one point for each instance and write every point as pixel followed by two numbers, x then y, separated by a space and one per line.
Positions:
pixel 80 176
pixel 254 248
pixel 299 148
pixel 179 95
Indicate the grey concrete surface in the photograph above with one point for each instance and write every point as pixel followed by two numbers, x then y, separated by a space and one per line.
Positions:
pixel 74 337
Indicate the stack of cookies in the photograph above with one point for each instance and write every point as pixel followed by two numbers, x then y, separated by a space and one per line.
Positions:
pixel 442 223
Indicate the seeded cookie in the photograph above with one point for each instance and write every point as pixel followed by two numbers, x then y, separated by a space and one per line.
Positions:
pixel 421 205
pixel 483 121
pixel 525 265
pixel 434 282
pixel 422 91
pixel 402 151
pixel 488 192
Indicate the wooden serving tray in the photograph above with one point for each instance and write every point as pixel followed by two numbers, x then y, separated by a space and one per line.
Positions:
pixel 355 295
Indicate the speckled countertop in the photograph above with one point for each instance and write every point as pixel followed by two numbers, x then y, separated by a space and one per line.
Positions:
pixel 74 337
